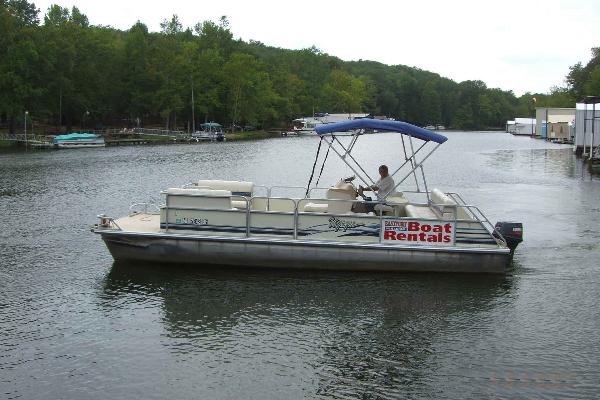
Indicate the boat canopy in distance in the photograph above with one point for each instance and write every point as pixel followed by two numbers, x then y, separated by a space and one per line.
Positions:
pixel 75 135
pixel 382 125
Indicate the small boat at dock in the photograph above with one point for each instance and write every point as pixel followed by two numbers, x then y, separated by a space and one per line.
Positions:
pixel 211 131
pixel 238 223
pixel 78 141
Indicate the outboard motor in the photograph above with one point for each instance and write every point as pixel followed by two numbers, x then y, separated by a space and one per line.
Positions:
pixel 512 232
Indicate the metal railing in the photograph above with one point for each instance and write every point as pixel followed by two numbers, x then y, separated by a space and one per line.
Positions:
pixel 133 211
pixel 298 213
pixel 297 209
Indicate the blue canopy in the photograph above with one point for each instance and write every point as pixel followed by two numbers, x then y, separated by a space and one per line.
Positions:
pixel 75 136
pixel 382 125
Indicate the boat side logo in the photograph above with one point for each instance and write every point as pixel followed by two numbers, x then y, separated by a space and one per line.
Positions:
pixel 343 225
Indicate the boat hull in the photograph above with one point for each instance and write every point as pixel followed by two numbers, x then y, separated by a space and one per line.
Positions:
pixel 287 254
pixel 79 144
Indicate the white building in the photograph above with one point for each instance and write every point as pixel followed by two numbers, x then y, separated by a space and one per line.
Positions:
pixel 524 126
pixel 307 125
pixel 510 127
pixel 555 123
pixel 587 124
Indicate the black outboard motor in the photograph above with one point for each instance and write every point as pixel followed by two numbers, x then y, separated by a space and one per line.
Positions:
pixel 512 232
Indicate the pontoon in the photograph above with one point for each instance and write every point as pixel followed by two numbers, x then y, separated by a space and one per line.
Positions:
pixel 238 223
pixel 78 140
pixel 210 131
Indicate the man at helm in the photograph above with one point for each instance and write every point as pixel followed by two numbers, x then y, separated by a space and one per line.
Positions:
pixel 383 186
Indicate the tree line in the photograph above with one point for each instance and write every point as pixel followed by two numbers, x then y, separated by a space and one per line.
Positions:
pixel 66 72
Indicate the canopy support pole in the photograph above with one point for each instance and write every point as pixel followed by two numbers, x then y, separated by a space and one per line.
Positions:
pixel 347 153
pixel 409 158
pixel 417 166
pixel 414 162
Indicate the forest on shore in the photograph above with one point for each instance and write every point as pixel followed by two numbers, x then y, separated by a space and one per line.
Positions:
pixel 66 72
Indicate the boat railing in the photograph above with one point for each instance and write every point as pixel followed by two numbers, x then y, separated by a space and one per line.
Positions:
pixel 480 216
pixel 316 188
pixel 475 211
pixel 280 187
pixel 472 211
pixel 138 208
pixel 267 189
pixel 273 206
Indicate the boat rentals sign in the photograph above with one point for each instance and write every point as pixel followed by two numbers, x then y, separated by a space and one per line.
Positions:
pixel 419 232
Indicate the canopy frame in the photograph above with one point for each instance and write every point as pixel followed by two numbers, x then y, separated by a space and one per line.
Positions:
pixel 411 166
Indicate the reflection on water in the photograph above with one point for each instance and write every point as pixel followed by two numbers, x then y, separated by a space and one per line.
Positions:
pixel 542 162
pixel 75 325
pixel 353 333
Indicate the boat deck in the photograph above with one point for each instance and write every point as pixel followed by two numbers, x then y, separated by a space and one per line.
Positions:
pixel 140 223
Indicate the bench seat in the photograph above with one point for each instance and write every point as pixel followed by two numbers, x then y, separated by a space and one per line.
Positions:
pixel 198 198
pixel 447 206
pixel 421 212
pixel 236 188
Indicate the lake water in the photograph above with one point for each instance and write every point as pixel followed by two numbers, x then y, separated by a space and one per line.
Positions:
pixel 75 325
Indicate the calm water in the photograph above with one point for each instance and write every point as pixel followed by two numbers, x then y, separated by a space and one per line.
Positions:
pixel 75 325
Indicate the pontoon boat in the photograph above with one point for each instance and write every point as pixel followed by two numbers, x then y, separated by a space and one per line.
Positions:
pixel 78 140
pixel 232 223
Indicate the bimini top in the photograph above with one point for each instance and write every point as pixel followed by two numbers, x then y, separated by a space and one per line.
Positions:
pixel 382 125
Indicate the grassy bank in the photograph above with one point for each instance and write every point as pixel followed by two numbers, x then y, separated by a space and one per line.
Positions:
pixel 7 143
pixel 251 135
pixel 155 138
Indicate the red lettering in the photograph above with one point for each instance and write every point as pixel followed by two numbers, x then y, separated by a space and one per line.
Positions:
pixel 422 237
pixel 447 239
pixel 448 228
pixel 437 228
pixel 426 228
pixel 413 226
pixel 389 235
pixel 412 237
pixel 401 236
pixel 432 238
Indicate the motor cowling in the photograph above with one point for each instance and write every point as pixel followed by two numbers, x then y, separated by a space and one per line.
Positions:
pixel 512 232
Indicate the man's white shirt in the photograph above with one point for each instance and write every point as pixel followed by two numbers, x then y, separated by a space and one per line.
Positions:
pixel 385 186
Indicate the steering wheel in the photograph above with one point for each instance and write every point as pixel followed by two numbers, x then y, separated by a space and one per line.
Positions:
pixel 362 195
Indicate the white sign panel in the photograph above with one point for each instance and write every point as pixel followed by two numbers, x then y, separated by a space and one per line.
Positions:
pixel 419 232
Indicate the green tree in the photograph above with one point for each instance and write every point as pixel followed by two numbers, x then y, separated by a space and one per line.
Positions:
pixel 249 90
pixel 19 58
pixel 431 104
pixel 344 92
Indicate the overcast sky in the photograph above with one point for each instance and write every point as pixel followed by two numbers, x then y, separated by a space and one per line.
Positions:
pixel 514 45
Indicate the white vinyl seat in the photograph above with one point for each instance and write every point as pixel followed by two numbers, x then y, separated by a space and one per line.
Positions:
pixel 198 198
pixel 448 206
pixel 316 207
pixel 340 191
pixel 417 211
pixel 237 189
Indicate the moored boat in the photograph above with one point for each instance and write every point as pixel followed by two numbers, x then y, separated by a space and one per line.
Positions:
pixel 78 140
pixel 230 223
pixel 307 125
pixel 211 131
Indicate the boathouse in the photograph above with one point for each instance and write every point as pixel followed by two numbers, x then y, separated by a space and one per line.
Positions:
pixel 524 126
pixel 555 124
pixel 587 125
